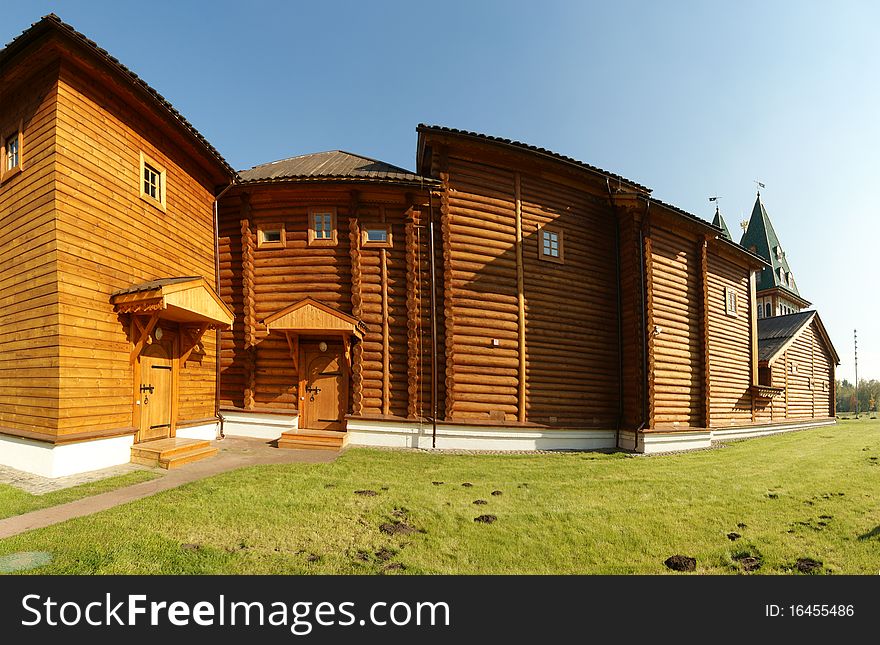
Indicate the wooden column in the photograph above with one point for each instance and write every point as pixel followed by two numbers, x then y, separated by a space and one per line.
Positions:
pixel 386 344
pixel 753 320
pixel 704 330
pixel 521 301
pixel 413 313
pixel 448 301
pixel 357 382
pixel 248 244
pixel 649 317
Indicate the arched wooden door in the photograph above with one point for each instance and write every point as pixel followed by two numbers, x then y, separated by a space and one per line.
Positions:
pixel 156 389
pixel 324 387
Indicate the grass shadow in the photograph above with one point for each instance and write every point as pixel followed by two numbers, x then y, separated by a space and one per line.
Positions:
pixel 875 532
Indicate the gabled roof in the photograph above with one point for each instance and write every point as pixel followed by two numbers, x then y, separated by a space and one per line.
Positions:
pixel 776 333
pixel 52 23
pixel 331 165
pixel 186 299
pixel 311 316
pixel 761 235
pixel 423 128
pixel 718 221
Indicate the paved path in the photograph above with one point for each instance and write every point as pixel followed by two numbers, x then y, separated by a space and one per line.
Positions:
pixel 235 453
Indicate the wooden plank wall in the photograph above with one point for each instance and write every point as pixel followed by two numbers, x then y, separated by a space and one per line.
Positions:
pixel 572 361
pixel 108 239
pixel 676 351
pixel 730 368
pixel 29 300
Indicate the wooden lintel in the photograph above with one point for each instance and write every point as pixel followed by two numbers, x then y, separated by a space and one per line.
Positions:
pixel 144 335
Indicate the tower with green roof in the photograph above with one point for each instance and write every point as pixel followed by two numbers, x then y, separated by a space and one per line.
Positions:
pixel 776 290
pixel 720 223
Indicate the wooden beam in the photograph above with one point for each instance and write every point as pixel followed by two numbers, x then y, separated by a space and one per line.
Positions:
pixel 249 305
pixel 145 334
pixel 649 331
pixel 704 331
pixel 195 335
pixel 386 344
pixel 293 346
pixel 753 327
pixel 521 302
pixel 447 315
pixel 357 396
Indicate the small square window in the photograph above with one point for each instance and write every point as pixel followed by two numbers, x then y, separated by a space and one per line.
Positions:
pixel 550 244
pixel 730 301
pixel 152 182
pixel 11 155
pixel 271 236
pixel 376 236
pixel 322 227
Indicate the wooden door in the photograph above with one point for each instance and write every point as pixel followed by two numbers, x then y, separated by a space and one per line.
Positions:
pixel 156 390
pixel 323 387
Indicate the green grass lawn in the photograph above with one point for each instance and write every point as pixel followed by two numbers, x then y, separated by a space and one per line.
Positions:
pixel 14 501
pixel 810 494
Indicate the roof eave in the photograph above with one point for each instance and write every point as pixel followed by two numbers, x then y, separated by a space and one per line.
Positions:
pixel 425 183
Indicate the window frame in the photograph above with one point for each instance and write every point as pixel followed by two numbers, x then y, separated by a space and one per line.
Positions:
pixel 368 244
pixel 560 233
pixel 6 174
pixel 313 240
pixel 731 306
pixel 263 243
pixel 146 160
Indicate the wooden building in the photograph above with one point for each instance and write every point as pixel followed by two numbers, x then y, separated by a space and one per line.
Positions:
pixel 502 296
pixel 106 259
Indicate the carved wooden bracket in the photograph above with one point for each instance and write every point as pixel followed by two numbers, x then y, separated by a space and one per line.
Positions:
pixel 141 334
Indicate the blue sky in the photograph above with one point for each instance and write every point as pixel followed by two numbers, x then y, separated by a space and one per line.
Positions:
pixel 690 98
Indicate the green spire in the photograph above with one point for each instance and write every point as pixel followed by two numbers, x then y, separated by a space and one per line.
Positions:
pixel 720 223
pixel 760 238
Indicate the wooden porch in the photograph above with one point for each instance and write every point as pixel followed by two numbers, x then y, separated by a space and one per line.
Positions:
pixel 307 439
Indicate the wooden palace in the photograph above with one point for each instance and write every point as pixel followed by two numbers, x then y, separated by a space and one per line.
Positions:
pixel 501 296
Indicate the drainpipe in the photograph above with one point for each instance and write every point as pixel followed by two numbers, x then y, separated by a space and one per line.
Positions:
pixel 620 392
pixel 433 319
pixel 216 209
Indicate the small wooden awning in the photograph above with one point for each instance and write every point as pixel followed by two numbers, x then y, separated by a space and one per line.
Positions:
pixel 188 299
pixel 310 316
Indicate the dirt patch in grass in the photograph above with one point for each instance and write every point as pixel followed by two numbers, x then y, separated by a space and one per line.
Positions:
pixel 741 525
pixel 681 563
pixel 733 536
pixel 397 528
pixel 383 554
pixel 748 561
pixel 480 502
pixel 496 493
pixel 366 493
pixel 394 566
pixel 438 483
pixel 485 519
pixel 191 547
pixel 468 485
pixel 808 565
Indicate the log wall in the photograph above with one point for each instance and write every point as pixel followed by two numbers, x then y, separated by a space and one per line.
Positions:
pixel 729 339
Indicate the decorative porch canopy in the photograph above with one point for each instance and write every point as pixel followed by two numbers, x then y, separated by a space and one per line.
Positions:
pixel 310 316
pixel 188 299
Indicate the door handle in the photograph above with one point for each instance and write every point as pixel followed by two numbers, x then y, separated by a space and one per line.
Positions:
pixel 147 388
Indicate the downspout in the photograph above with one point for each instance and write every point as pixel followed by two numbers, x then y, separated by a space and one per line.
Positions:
pixel 216 209
pixel 620 392
pixel 433 320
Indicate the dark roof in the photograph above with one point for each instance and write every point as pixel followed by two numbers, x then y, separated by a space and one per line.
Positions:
pixel 155 284
pixel 332 165
pixel 775 331
pixel 719 222
pixel 422 127
pixel 53 22
pixel 762 236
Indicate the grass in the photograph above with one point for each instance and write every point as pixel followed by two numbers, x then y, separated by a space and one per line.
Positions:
pixel 14 501
pixel 810 494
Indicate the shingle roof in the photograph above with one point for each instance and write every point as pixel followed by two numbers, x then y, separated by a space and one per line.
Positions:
pixel 423 127
pixel 774 332
pixel 761 235
pixel 53 22
pixel 331 165
pixel 155 284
